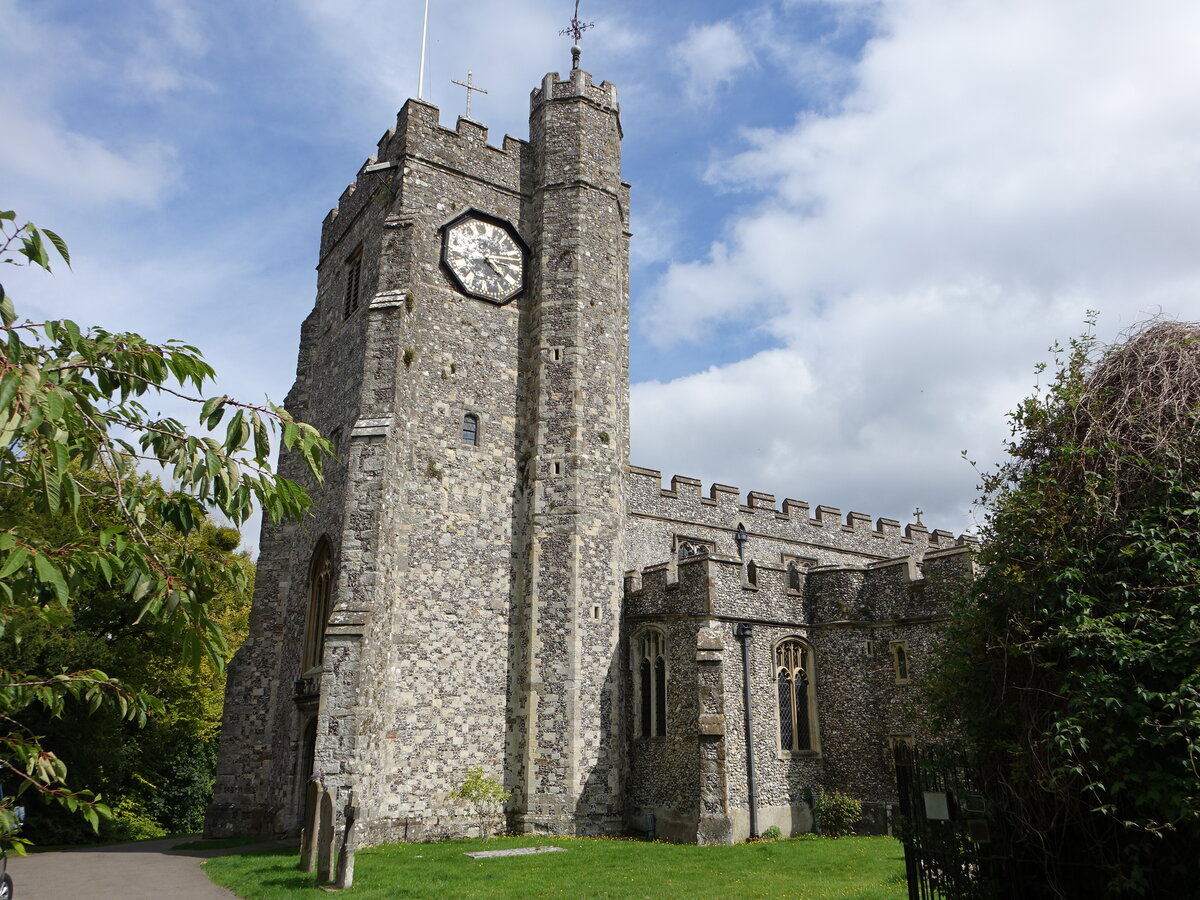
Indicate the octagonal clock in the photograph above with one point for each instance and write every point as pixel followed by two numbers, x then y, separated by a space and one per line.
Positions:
pixel 484 256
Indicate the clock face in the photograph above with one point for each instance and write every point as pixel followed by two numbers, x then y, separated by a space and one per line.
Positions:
pixel 485 257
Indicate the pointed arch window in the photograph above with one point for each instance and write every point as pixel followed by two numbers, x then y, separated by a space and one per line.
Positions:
pixel 320 590
pixel 797 706
pixel 650 673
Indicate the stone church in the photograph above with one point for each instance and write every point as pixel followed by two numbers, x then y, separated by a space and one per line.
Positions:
pixel 486 581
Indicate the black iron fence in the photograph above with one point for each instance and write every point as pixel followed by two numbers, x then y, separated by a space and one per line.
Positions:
pixel 953 847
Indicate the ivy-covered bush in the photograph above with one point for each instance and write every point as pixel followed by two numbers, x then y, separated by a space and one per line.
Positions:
pixel 1073 668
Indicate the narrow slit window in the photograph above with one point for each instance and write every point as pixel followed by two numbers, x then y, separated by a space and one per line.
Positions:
pixel 353 278
pixel 900 661
pixel 470 429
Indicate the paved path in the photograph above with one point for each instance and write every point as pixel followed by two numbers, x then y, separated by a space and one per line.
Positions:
pixel 141 871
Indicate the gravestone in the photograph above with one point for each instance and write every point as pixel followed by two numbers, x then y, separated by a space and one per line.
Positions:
pixel 308 837
pixel 325 839
pixel 345 865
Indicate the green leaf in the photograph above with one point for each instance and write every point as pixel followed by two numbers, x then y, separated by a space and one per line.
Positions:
pixel 59 244
pixel 16 559
pixel 8 313
pixel 48 573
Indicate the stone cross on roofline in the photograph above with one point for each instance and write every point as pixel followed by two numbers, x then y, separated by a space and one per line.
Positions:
pixel 469 84
pixel 576 30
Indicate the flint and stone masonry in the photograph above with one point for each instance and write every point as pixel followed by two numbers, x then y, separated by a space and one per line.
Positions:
pixel 483 568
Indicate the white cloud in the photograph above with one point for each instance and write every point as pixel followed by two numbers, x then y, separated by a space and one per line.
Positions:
pixel 53 152
pixel 48 159
pixel 997 169
pixel 867 408
pixel 709 57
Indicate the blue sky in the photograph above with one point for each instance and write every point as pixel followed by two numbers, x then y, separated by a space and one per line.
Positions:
pixel 857 225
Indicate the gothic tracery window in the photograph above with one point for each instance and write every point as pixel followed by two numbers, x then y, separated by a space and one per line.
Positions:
pixel 650 664
pixel 793 576
pixel 796 705
pixel 687 548
pixel 320 589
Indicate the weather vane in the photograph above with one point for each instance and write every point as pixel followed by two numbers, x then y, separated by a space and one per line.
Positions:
pixel 470 86
pixel 576 31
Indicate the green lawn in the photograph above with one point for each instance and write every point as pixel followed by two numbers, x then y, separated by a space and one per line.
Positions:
pixel 847 869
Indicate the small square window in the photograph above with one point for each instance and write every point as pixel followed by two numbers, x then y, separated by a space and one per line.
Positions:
pixel 470 429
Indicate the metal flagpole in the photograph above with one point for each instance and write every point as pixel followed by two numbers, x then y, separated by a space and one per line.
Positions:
pixel 424 41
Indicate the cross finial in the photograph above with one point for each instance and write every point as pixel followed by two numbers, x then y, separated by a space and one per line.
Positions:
pixel 918 512
pixel 469 84
pixel 576 30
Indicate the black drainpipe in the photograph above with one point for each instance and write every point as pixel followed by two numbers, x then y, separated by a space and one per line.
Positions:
pixel 744 630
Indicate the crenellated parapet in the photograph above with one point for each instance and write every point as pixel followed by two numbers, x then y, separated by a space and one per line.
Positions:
pixel 419 139
pixel 684 505
pixel 901 589
pixel 577 85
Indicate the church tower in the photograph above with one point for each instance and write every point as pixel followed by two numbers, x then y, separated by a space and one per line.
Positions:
pixel 454 599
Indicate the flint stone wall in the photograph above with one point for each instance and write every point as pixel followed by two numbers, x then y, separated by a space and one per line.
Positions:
pixel 848 616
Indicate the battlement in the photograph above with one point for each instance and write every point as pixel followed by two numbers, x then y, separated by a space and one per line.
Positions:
pixel 418 137
pixel 577 84
pixel 685 495
pixel 900 588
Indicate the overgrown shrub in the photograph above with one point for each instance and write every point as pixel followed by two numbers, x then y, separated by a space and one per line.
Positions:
pixel 837 814
pixel 1073 668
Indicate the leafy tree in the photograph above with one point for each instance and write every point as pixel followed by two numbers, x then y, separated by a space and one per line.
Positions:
pixel 483 793
pixel 157 778
pixel 1074 667
pixel 75 431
